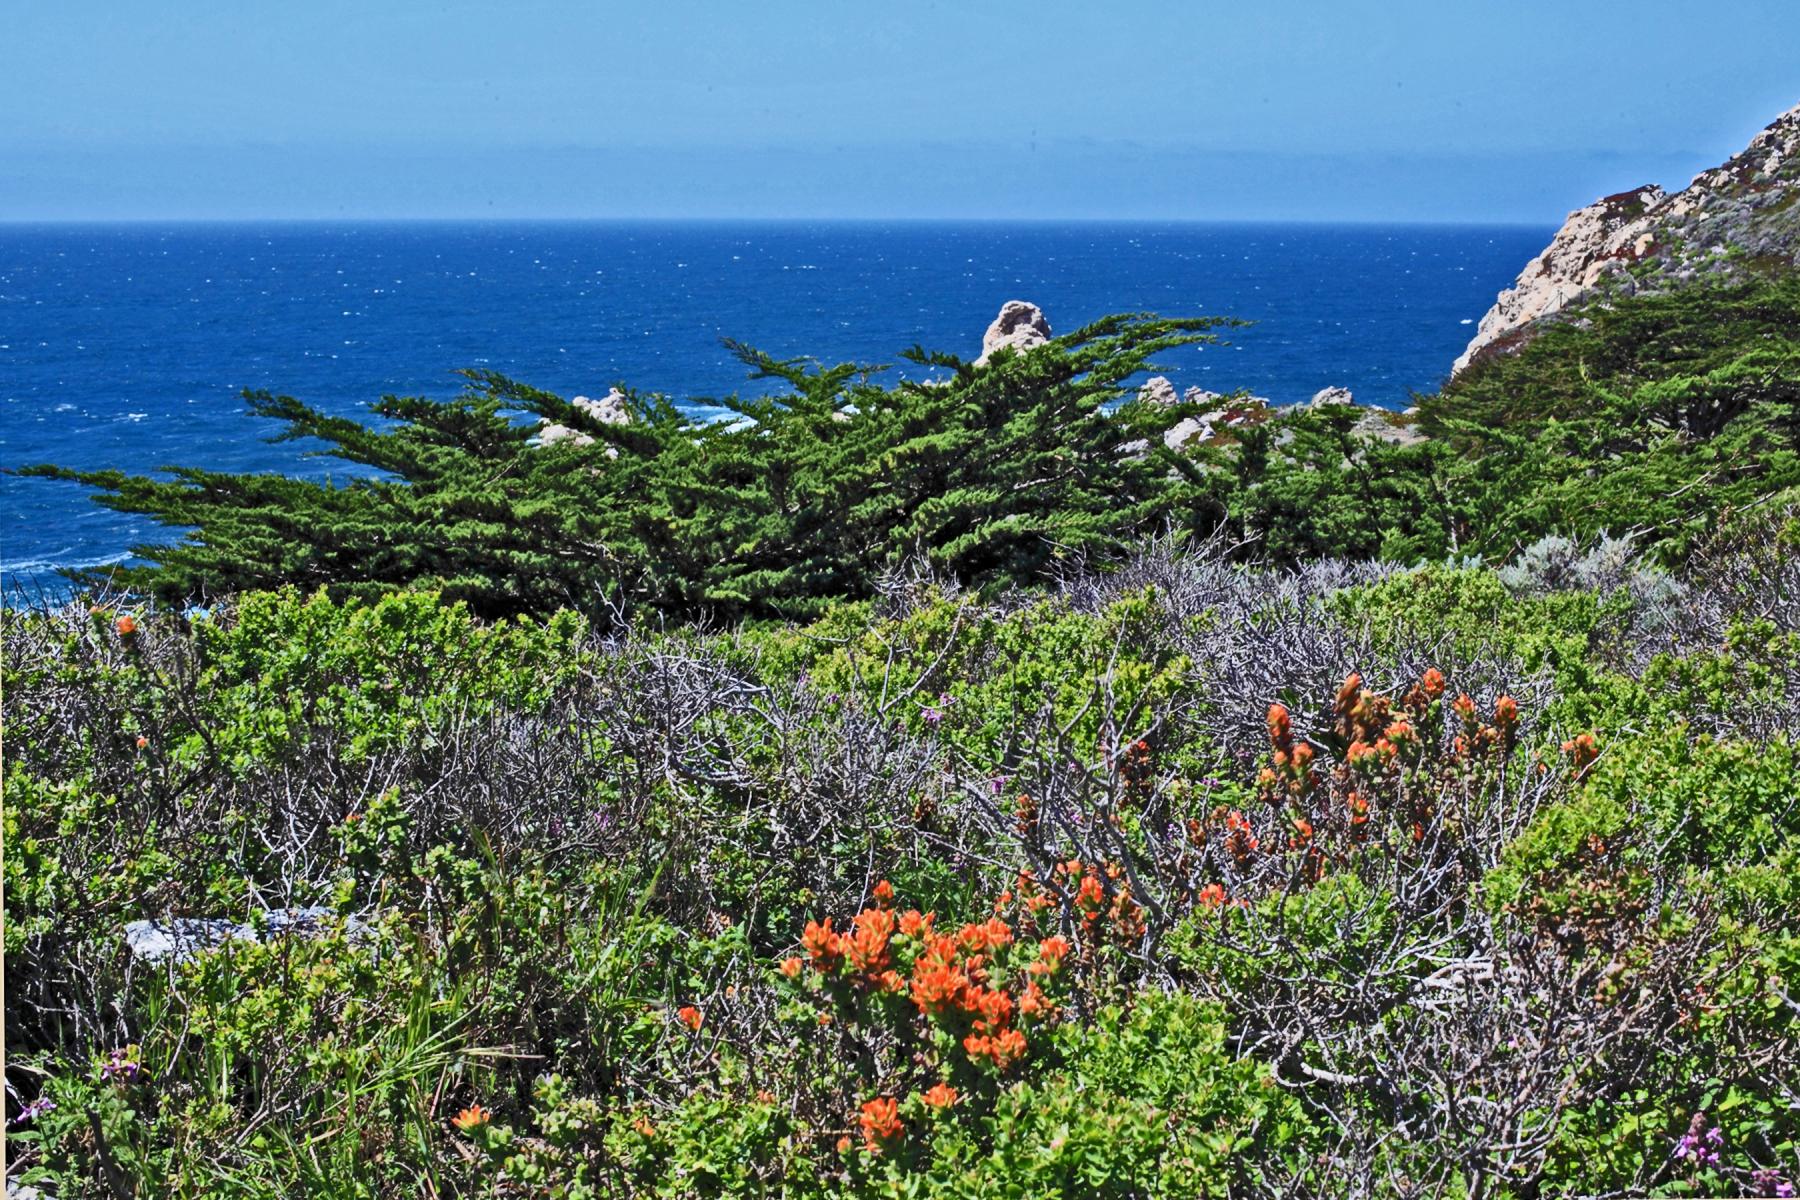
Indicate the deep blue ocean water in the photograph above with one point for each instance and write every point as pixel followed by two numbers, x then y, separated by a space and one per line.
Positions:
pixel 128 345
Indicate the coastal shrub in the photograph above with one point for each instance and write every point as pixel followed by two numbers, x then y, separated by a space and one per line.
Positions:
pixel 1324 935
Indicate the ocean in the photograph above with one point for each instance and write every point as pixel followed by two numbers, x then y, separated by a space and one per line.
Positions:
pixel 127 345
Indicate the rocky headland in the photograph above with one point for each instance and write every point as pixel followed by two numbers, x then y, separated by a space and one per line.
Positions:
pixel 1741 216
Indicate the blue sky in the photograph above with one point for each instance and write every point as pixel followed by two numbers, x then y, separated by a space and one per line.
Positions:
pixel 1272 109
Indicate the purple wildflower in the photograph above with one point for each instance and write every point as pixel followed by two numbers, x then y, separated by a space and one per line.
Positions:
pixel 1700 1145
pixel 122 1065
pixel 997 784
pixel 36 1108
pixel 1768 1182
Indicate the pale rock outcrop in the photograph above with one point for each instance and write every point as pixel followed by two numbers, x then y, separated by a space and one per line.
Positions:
pixel 610 409
pixel 1021 326
pixel 181 938
pixel 1331 395
pixel 1743 210
pixel 1186 431
pixel 1159 391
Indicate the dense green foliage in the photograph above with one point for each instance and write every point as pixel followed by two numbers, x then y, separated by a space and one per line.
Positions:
pixel 574 884
pixel 1647 416
pixel 807 495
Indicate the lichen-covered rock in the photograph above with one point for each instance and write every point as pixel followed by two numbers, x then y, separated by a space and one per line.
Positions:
pixel 1331 395
pixel 1741 215
pixel 1021 326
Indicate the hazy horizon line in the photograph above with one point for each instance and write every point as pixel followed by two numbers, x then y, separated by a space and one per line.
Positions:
pixel 475 219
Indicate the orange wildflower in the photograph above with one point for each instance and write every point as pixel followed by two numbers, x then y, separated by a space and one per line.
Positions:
pixel 881 1125
pixel 126 625
pixel 1582 749
pixel 1432 682
pixel 472 1117
pixel 791 967
pixel 1004 1048
pixel 690 1016
pixel 868 944
pixel 884 892
pixel 825 947
pixel 940 1095
pixel 1213 895
pixel 1281 725
pixel 1032 1000
pixel 912 922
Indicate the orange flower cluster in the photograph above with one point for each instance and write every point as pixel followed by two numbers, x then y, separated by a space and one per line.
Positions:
pixel 472 1117
pixel 1103 900
pixel 1136 769
pixel 1292 774
pixel 689 1016
pixel 1482 740
pixel 951 982
pixel 822 945
pixel 126 626
pixel 1582 750
pixel 958 980
pixel 1240 839
pixel 881 1125
pixel 1376 733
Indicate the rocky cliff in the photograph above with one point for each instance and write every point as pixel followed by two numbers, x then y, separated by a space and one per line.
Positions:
pixel 1741 215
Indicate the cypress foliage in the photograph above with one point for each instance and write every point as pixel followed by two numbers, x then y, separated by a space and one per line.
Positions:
pixel 805 497
pixel 1647 415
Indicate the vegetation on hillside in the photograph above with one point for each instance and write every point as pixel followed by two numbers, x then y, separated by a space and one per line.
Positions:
pixel 1184 879
pixel 940 790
